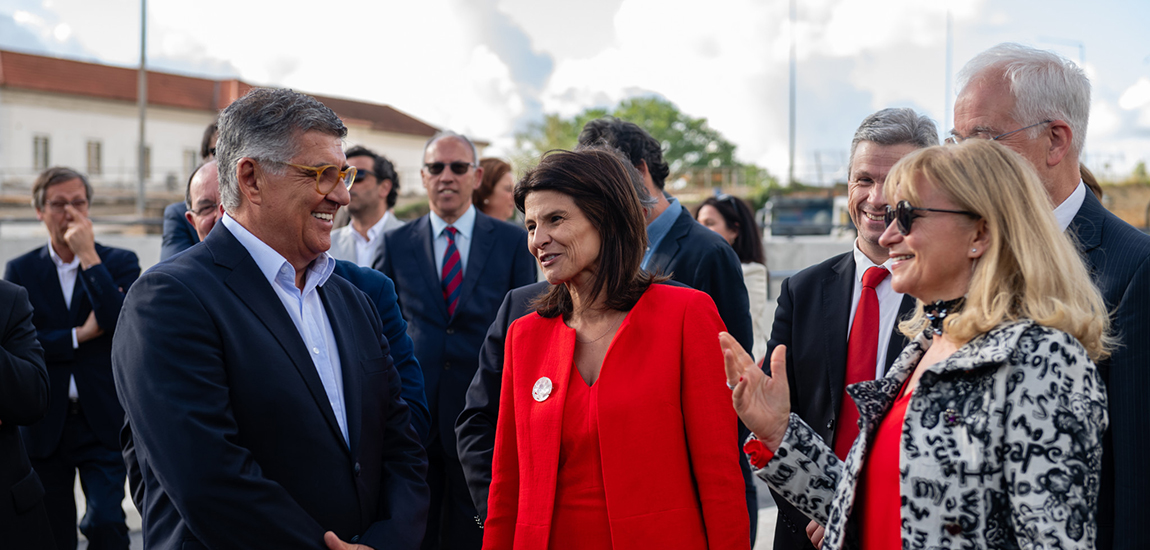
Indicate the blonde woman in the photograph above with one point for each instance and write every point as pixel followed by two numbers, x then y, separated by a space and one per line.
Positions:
pixel 986 432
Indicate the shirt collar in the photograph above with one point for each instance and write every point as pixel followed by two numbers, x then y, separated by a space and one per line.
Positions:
pixel 1065 212
pixel 863 263
pixel 373 231
pixel 60 263
pixel 464 225
pixel 272 263
pixel 662 224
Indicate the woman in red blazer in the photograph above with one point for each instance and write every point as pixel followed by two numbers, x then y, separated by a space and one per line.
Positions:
pixel 617 432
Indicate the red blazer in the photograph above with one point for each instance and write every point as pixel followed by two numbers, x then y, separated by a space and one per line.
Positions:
pixel 667 430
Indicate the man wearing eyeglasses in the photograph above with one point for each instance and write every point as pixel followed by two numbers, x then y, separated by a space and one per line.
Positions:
pixel 1038 103
pixel 373 195
pixel 270 415
pixel 76 287
pixel 451 269
pixel 202 198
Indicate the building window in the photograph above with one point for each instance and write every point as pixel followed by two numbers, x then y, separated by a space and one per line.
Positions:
pixel 191 160
pixel 40 153
pixel 95 158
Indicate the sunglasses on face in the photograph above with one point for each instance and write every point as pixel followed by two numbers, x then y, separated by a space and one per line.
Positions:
pixel 905 215
pixel 360 176
pixel 458 167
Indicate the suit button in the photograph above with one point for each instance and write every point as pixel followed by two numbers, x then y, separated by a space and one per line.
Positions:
pixel 831 424
pixel 953 528
pixel 354 539
pixel 450 331
pixel 356 468
pixel 446 365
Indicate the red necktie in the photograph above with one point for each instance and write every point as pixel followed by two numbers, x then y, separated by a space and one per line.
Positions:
pixel 452 274
pixel 862 351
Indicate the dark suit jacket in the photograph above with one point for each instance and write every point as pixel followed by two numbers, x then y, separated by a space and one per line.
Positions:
pixel 692 254
pixel 1118 257
pixel 448 347
pixel 231 433
pixel 812 320
pixel 381 291
pixel 179 235
pixel 101 289
pixel 23 401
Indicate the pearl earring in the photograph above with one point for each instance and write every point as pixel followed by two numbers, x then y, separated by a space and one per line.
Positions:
pixel 974 250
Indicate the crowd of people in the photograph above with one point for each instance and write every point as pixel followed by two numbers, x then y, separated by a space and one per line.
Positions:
pixel 575 360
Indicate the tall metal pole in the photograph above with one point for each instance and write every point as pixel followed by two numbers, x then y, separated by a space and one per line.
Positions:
pixel 142 103
pixel 791 164
pixel 947 125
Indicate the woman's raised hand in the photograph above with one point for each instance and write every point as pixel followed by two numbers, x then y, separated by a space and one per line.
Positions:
pixel 762 402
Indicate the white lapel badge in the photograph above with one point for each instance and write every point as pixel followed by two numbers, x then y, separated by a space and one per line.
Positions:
pixel 542 389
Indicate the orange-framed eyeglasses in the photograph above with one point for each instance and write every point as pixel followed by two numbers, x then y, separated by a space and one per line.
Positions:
pixel 326 176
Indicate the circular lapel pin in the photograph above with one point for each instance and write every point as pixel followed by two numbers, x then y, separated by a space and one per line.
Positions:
pixel 542 389
pixel 951 417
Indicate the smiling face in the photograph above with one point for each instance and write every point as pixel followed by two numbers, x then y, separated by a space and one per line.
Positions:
pixel 710 217
pixel 561 238
pixel 866 200
pixel 295 220
pixel 448 193
pixel 934 261
pixel 205 194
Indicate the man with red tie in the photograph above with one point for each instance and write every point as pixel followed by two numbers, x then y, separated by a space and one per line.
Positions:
pixel 451 269
pixel 838 318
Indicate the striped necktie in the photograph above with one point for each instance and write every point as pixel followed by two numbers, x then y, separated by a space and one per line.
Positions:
pixel 452 274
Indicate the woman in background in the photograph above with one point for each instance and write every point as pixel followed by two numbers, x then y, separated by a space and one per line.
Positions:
pixel 496 193
pixel 733 220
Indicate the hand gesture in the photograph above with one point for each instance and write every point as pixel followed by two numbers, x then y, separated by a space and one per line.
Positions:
pixel 80 238
pixel 763 403
pixel 333 543
pixel 89 330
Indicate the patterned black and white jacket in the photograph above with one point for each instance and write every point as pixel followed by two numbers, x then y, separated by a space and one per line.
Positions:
pixel 1001 447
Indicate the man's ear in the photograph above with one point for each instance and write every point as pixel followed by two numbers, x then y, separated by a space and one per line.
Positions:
pixel 248 180
pixel 1061 138
pixel 188 216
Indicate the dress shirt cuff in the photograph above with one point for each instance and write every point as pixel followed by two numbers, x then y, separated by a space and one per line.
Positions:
pixel 75 341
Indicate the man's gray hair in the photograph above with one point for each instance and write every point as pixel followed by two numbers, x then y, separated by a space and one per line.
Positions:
pixel 449 134
pixel 895 126
pixel 265 125
pixel 1044 85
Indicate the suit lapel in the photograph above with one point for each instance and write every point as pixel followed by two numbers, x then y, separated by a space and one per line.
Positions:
pixel 897 340
pixel 253 289
pixel 662 257
pixel 481 244
pixel 424 259
pixel 553 346
pixel 341 325
pixel 46 282
pixel 1086 227
pixel 837 291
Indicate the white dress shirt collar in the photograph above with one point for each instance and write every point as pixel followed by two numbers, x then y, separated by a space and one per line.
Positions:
pixel 464 225
pixel 1069 208
pixel 271 262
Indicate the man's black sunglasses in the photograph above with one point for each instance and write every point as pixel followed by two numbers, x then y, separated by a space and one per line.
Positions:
pixel 904 214
pixel 458 167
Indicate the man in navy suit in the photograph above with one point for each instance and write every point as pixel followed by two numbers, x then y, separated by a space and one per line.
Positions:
pixel 679 246
pixel 451 269
pixel 76 287
pixel 270 415
pixel 23 401
pixel 180 232
pixel 1007 95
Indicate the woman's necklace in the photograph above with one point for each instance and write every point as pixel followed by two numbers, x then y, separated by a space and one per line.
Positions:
pixel 937 311
pixel 610 328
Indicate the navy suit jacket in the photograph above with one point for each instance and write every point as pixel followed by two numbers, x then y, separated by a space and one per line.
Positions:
pixel 179 235
pixel 381 291
pixel 100 289
pixel 229 430
pixel 448 347
pixel 1118 257
pixel 694 255
pixel 23 401
pixel 812 319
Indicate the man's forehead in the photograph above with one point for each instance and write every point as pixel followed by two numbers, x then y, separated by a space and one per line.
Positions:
pixel 450 149
pixel 319 147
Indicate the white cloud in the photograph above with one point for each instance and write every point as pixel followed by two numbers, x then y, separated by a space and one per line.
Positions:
pixel 1105 121
pixel 1136 96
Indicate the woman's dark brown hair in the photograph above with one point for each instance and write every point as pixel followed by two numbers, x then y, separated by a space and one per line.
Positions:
pixel 493 170
pixel 600 184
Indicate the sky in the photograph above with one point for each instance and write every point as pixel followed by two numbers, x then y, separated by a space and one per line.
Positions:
pixel 489 68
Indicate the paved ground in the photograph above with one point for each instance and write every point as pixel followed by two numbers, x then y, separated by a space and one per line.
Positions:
pixel 765 536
